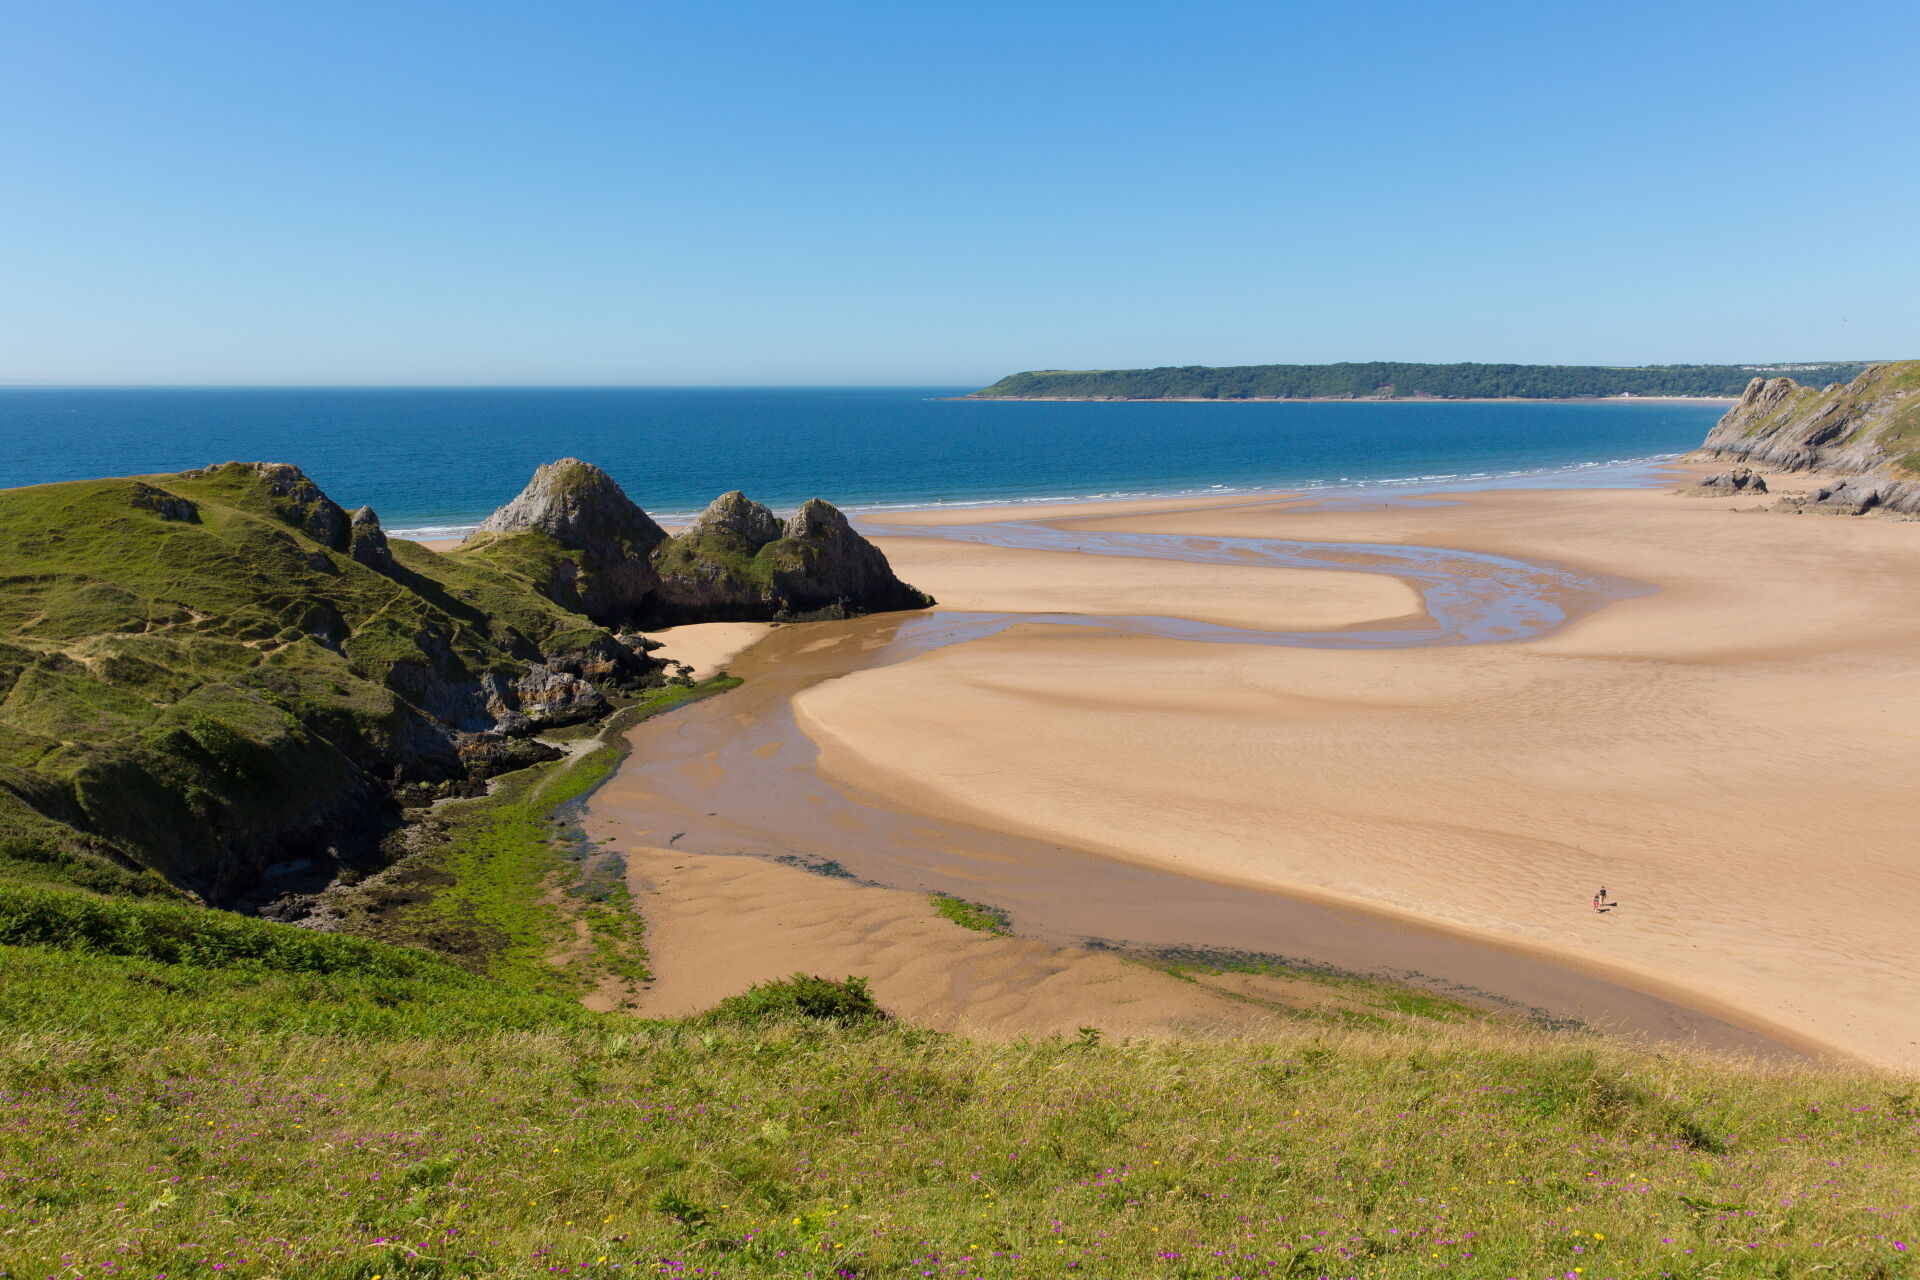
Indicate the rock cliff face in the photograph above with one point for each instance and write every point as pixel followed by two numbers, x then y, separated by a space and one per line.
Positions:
pixel 367 543
pixel 1868 428
pixel 586 546
pixel 284 491
pixel 737 562
pixel 605 570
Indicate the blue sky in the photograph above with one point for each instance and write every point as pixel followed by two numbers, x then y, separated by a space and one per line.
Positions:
pixel 929 193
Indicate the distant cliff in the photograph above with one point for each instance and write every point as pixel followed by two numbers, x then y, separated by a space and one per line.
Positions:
pixel 1866 431
pixel 1393 381
pixel 581 542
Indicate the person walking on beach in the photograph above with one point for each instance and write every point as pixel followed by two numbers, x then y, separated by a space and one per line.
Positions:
pixel 1600 899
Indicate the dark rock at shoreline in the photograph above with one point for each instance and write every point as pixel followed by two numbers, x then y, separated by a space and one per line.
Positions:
pixel 1859 496
pixel 1738 480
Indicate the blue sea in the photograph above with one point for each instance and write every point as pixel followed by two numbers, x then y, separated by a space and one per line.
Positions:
pixel 437 460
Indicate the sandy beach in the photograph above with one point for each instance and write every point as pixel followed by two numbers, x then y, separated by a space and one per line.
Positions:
pixel 1731 755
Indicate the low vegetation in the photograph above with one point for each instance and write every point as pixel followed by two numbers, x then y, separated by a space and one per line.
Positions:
pixel 977 916
pixel 386 1115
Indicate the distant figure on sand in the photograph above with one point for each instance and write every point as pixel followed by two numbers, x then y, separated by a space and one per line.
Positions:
pixel 1600 902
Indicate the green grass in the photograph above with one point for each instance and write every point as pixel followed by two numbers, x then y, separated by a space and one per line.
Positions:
pixel 492 887
pixel 1323 994
pixel 977 916
pixel 801 998
pixel 166 1118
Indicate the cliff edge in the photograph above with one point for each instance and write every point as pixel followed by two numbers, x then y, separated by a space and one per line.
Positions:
pixel 1867 431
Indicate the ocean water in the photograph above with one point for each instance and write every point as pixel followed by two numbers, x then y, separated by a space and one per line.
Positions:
pixel 437 460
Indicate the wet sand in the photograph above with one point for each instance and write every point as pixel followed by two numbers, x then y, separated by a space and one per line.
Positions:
pixel 707 647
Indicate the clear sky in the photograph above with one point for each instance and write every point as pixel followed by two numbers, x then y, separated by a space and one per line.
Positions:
pixel 922 192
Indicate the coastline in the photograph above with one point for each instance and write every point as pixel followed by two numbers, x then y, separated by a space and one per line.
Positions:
pixel 1622 471
pixel 1352 399
pixel 1131 746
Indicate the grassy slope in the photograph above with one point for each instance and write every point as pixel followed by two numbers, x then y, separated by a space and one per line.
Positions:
pixel 189 1093
pixel 396 1117
pixel 161 686
pixel 1900 436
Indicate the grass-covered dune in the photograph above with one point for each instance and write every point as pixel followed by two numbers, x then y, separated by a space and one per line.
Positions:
pixel 187 1094
pixel 1388 380
pixel 207 675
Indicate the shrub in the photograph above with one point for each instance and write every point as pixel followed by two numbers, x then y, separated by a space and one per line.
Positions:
pixel 848 1003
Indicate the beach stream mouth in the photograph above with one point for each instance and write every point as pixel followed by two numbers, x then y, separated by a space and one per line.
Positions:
pixel 737 776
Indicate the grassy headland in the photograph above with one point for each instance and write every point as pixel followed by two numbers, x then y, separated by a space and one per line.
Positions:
pixel 206 681
pixel 1385 380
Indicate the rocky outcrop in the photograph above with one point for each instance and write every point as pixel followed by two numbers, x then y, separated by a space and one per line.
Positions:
pixel 163 504
pixel 1738 480
pixel 1868 428
pixel 736 515
pixel 589 548
pixel 285 491
pixel 580 509
pixel 1857 497
pixel 738 562
pixel 840 565
pixel 367 543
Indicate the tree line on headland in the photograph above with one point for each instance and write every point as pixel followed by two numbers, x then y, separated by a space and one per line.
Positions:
pixel 1386 380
